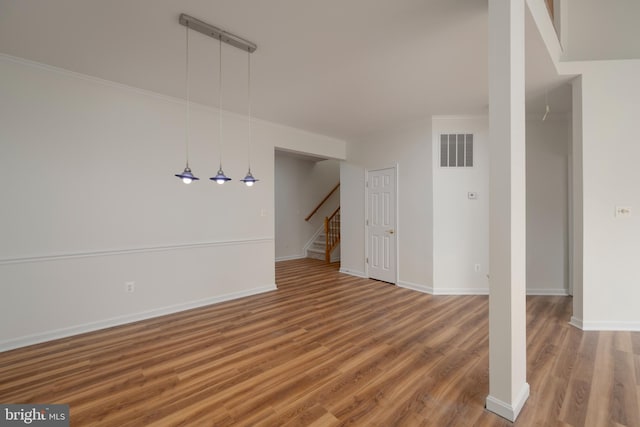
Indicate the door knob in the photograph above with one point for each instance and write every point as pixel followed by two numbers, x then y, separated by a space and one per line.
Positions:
pixel 390 231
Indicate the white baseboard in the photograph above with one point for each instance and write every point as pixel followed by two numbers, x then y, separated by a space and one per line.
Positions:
pixel 290 257
pixel 548 292
pixel 416 287
pixel 353 273
pixel 576 322
pixel 506 410
pixel 474 291
pixel 460 291
pixel 607 325
pixel 121 320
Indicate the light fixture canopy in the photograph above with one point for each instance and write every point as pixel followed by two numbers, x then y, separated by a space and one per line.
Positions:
pixel 216 33
pixel 249 180
pixel 186 176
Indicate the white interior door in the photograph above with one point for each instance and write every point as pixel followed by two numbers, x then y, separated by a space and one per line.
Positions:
pixel 381 224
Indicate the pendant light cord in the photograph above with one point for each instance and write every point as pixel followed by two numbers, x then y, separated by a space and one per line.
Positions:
pixel 186 83
pixel 220 101
pixel 249 103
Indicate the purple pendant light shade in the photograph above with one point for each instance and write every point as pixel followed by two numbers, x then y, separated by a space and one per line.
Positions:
pixel 186 176
pixel 249 180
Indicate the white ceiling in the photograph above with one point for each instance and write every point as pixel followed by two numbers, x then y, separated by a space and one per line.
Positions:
pixel 335 67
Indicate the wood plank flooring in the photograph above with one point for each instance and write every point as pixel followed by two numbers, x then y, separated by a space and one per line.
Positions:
pixel 328 349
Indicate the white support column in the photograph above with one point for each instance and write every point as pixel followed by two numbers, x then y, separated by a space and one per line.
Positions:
pixel 508 389
pixel 577 205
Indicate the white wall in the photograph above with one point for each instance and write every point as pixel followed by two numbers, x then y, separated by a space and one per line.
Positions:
pixel 300 184
pixel 461 225
pixel 408 147
pixel 90 202
pixel 547 205
pixel 610 177
pixel 352 213
pixel 440 215
pixel 596 29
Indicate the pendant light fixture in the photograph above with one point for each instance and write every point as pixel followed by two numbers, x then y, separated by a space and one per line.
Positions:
pixel 209 30
pixel 220 177
pixel 249 180
pixel 186 175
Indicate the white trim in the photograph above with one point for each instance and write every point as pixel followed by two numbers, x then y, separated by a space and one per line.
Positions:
pixel 561 22
pixel 397 218
pixel 416 287
pixel 365 223
pixel 505 410
pixel 126 251
pixel 355 273
pixel 607 325
pixel 545 27
pixel 290 257
pixel 460 117
pixel 122 320
pixel 549 292
pixel 460 291
pixel 473 291
pixel 576 322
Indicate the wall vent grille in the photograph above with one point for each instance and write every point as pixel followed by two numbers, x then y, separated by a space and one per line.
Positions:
pixel 456 150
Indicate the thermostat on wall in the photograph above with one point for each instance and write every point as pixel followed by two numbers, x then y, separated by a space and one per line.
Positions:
pixel 472 195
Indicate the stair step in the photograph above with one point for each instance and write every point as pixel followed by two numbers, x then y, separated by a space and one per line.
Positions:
pixel 315 254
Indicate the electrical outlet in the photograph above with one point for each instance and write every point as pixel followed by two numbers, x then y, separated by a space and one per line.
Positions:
pixel 129 287
pixel 476 268
pixel 623 212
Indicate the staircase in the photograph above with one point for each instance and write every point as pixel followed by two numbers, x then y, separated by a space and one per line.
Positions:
pixel 318 247
pixel 327 239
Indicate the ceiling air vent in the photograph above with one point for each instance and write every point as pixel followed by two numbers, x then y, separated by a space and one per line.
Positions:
pixel 456 150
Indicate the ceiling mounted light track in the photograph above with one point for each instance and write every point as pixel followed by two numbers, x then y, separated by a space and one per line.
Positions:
pixel 217 33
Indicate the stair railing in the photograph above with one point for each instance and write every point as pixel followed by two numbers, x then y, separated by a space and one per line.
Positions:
pixel 331 225
pixel 332 233
pixel 313 212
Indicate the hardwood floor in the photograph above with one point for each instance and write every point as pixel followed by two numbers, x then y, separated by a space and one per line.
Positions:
pixel 328 349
